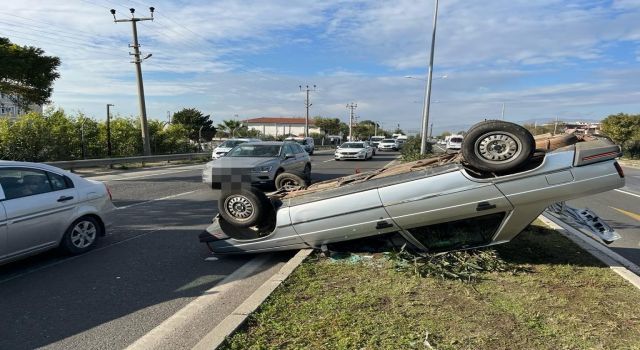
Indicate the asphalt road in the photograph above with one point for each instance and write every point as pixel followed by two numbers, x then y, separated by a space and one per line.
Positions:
pixel 621 210
pixel 150 267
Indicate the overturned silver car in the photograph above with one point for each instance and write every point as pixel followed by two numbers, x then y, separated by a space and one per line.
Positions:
pixel 499 183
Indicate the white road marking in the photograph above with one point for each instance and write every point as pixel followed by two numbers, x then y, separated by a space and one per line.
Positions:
pixel 326 161
pixel 157 337
pixel 629 193
pixel 156 199
pixel 211 258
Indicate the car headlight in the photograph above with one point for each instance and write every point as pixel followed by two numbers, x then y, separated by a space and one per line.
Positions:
pixel 262 169
pixel 362 151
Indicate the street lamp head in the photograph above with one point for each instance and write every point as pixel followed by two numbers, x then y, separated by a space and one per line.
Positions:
pixel 147 56
pixel 132 10
pixel 113 13
pixel 151 9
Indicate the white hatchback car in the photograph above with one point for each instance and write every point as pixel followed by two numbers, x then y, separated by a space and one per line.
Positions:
pixel 43 207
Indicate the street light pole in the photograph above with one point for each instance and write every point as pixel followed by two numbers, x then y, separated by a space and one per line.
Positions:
pixel 427 97
pixel 109 130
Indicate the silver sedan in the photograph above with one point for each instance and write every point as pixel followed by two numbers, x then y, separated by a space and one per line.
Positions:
pixel 43 207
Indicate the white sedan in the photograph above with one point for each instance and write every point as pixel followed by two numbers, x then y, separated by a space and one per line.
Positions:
pixel 43 207
pixel 354 150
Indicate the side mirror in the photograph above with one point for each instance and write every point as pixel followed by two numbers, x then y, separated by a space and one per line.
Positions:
pixel 289 155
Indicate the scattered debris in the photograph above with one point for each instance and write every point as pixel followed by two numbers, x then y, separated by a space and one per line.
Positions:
pixel 586 219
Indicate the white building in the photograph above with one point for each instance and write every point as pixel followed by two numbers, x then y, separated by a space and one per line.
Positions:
pixel 11 110
pixel 279 126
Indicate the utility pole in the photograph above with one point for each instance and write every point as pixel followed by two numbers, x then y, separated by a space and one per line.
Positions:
pixel 307 104
pixel 375 128
pixel 555 126
pixel 352 106
pixel 502 110
pixel 427 97
pixel 137 60
pixel 431 131
pixel 109 130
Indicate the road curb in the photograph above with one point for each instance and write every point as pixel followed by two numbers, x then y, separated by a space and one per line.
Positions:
pixel 217 335
pixel 620 265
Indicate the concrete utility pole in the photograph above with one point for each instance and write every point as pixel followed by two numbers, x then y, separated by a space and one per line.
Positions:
pixel 427 97
pixel 137 60
pixel 352 106
pixel 109 130
pixel 307 104
pixel 502 110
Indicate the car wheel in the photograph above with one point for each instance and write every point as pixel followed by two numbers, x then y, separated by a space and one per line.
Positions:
pixel 81 236
pixel 244 207
pixel 498 146
pixel 288 181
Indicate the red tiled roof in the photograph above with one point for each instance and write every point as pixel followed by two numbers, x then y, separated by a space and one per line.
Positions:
pixel 279 120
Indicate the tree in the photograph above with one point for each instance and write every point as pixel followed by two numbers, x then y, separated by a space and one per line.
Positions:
pixel 330 126
pixel 193 120
pixel 621 127
pixel 26 74
pixel 230 128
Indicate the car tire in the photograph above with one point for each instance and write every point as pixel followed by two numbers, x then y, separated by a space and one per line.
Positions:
pixel 497 146
pixel 244 207
pixel 290 181
pixel 81 236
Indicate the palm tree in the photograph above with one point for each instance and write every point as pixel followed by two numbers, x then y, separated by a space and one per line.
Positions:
pixel 229 127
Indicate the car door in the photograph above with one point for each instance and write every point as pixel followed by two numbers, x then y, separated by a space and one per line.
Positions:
pixel 292 165
pixel 39 207
pixel 3 227
pixel 441 198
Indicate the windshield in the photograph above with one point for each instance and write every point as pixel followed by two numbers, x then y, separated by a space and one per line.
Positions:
pixel 455 139
pixel 302 142
pixel 352 145
pixel 231 143
pixel 253 150
pixel 389 141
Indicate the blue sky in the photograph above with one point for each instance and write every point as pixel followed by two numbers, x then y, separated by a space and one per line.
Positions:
pixel 542 59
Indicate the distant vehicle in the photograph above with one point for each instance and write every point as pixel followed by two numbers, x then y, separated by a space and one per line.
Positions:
pixel 388 145
pixel 44 207
pixel 370 144
pixel 455 142
pixel 260 163
pixel 354 150
pixel 226 146
pixel 375 140
pixel 306 142
pixel 484 196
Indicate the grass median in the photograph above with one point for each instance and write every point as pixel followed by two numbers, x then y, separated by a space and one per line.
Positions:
pixel 551 295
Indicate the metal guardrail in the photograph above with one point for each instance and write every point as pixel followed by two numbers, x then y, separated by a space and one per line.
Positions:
pixel 92 163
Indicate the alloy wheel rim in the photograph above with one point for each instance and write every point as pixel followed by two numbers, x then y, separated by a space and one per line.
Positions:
pixel 83 234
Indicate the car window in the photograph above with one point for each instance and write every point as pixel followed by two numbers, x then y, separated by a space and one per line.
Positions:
pixel 22 182
pixel 253 150
pixel 297 148
pixel 59 182
pixel 458 234
pixel 289 148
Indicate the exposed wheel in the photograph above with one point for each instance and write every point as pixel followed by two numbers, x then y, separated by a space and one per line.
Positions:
pixel 497 145
pixel 290 181
pixel 244 207
pixel 81 236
